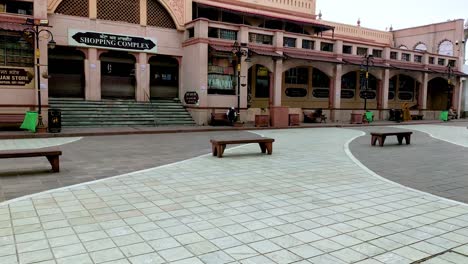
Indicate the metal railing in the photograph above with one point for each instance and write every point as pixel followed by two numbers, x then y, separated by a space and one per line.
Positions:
pixel 153 109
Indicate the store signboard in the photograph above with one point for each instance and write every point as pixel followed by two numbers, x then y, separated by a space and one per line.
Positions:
pixel 16 77
pixel 84 38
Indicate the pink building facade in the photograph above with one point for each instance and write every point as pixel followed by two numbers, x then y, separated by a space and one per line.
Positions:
pixel 145 49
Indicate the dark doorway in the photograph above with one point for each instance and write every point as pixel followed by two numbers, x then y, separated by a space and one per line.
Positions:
pixel 117 75
pixel 439 94
pixel 66 71
pixel 164 77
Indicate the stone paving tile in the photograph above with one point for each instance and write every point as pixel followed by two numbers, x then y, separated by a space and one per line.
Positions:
pixel 263 209
pixel 80 162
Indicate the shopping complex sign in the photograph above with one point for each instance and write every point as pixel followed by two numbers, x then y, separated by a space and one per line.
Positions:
pixel 81 38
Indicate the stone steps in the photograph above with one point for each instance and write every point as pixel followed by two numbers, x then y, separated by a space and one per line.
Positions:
pixel 105 113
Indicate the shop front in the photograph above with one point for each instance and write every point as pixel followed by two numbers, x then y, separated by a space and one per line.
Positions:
pixel 66 73
pixel 164 77
pixel 17 72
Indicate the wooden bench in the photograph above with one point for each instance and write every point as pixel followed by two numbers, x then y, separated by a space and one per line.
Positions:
pixel 417 117
pixel 52 154
pixel 218 146
pixel 11 118
pixel 219 119
pixel 381 137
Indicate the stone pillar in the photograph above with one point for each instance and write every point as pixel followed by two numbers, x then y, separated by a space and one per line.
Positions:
pixel 143 12
pixel 386 53
pixel 243 35
pixel 142 68
pixel 460 97
pixel 317 45
pixel 335 93
pixel 456 96
pixel 338 47
pixel 279 114
pixel 422 100
pixel 278 80
pixel 93 76
pixel 92 9
pixel 278 39
pixel 40 9
pixel 385 87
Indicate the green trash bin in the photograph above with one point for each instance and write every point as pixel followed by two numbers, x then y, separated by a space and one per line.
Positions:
pixel 369 116
pixel 30 121
pixel 444 116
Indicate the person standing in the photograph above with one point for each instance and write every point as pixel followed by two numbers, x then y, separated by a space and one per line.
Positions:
pixel 406 112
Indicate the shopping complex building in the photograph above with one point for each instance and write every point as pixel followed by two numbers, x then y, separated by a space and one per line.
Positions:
pixel 289 59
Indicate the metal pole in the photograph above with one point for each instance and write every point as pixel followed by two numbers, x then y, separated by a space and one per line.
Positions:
pixel 367 83
pixel 238 86
pixel 449 82
pixel 40 124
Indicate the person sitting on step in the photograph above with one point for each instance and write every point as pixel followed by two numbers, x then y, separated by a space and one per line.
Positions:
pixel 231 115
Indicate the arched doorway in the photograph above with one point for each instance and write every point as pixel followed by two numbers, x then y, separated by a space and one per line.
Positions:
pixel 403 89
pixel 66 71
pixel 258 86
pixel 117 75
pixel 164 77
pixel 439 94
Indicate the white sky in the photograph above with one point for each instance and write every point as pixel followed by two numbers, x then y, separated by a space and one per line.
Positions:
pixel 380 14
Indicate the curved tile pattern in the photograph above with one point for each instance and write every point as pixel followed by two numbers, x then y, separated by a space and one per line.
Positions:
pixel 457 135
pixel 307 202
pixel 35 143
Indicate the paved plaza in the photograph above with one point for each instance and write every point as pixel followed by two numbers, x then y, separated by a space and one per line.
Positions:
pixel 320 198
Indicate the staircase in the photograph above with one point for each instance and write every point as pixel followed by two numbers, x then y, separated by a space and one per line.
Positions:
pixel 120 113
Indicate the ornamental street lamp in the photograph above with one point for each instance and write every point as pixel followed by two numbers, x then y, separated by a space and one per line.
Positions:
pixel 239 51
pixel 368 61
pixel 449 72
pixel 34 32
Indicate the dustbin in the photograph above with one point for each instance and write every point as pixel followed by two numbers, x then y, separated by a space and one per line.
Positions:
pixel 55 120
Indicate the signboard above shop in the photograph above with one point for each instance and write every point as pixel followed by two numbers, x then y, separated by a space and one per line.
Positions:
pixel 91 39
pixel 16 77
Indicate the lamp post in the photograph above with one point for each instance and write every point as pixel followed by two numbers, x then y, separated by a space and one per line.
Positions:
pixel 35 31
pixel 239 51
pixel 367 61
pixel 449 84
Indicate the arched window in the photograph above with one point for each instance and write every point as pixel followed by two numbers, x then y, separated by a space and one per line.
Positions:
pixel 73 8
pixel 403 47
pixel 420 47
pixel 446 48
pixel 392 85
pixel 371 92
pixel 320 84
pixel 348 85
pixel 158 15
pixel 406 88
